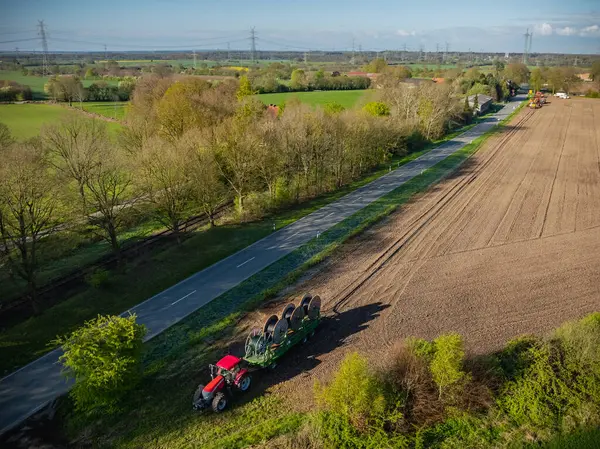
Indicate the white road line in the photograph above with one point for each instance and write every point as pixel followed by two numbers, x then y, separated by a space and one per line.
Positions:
pixel 287 238
pixel 331 213
pixel 182 298
pixel 244 263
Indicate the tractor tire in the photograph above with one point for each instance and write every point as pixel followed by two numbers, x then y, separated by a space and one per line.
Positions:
pixel 219 402
pixel 198 393
pixel 245 383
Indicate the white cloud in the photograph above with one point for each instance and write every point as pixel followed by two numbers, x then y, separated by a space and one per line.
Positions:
pixel 545 29
pixel 566 31
pixel 593 30
pixel 405 33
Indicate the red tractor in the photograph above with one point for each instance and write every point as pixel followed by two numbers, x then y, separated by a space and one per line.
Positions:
pixel 227 375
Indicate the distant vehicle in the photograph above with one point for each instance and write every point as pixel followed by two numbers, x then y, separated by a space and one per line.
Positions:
pixel 562 95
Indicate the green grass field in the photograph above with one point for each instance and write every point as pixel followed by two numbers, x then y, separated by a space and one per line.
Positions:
pixel 37 82
pixel 114 110
pixel 347 98
pixel 26 120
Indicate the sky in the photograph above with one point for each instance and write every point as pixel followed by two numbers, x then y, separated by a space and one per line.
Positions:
pixel 564 26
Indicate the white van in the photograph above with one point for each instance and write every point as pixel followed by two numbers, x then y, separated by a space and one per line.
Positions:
pixel 562 95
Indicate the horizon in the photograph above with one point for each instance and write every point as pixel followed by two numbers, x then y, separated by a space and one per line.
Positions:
pixel 171 25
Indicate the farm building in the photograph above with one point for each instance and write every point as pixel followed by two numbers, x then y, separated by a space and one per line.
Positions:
pixel 483 103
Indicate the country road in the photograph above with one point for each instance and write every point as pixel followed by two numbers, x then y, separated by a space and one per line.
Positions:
pixel 30 388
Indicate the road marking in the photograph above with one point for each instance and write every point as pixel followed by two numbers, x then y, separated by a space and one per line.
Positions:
pixel 331 213
pixel 252 258
pixel 182 298
pixel 287 238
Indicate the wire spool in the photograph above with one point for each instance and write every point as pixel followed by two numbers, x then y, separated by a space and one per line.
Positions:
pixel 287 312
pixel 295 320
pixel 279 331
pixel 255 343
pixel 270 325
pixel 314 307
pixel 305 301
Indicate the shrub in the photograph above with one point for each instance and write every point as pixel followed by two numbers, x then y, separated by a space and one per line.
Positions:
pixel 103 357
pixel 447 361
pixel 354 393
pixel 377 109
pixel 99 278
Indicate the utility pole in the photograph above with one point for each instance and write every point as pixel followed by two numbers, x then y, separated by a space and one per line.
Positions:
pixel 228 51
pixel 105 55
pixel 194 52
pixel 253 44
pixel 45 56
pixel 446 52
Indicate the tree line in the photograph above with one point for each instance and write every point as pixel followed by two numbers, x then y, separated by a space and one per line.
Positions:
pixel 190 146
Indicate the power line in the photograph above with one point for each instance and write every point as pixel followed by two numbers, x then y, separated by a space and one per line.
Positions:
pixel 19 40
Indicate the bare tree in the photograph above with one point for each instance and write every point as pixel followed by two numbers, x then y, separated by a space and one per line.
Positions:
pixel 106 186
pixel 75 146
pixel 165 171
pixel 27 211
pixel 6 138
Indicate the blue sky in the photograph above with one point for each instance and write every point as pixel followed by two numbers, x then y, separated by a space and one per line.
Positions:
pixel 571 26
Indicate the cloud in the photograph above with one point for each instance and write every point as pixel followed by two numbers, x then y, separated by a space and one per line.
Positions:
pixel 592 30
pixel 566 31
pixel 405 33
pixel 545 29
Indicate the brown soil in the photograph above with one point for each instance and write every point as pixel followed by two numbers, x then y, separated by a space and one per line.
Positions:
pixel 509 245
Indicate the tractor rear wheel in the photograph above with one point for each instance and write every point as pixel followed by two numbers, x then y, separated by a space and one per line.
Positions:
pixel 245 382
pixel 219 402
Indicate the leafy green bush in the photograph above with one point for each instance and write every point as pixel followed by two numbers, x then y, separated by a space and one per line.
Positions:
pixel 446 364
pixel 103 357
pixel 99 278
pixel 377 109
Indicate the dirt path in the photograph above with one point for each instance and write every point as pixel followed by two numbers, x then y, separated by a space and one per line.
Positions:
pixel 509 245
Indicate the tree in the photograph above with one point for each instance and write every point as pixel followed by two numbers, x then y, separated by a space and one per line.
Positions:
pixel 333 108
pixel 27 210
pixel 377 65
pixel 536 80
pixel 377 109
pixel 208 190
pixel 595 71
pixel 235 154
pixel 6 139
pixel 244 89
pixel 105 189
pixel 436 107
pixel 517 72
pixel 498 67
pixel 476 103
pixel 165 171
pixel 75 148
pixel 298 80
pixel 104 358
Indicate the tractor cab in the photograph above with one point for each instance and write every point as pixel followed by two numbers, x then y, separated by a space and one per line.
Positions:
pixel 228 367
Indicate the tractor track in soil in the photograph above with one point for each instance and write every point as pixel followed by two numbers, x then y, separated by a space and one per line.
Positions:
pixel 507 245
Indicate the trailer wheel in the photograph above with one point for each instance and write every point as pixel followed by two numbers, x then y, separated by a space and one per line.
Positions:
pixel 245 382
pixel 219 402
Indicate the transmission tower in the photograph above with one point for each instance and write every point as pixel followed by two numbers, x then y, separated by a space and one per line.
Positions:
pixel 228 52
pixel 446 51
pixel 105 54
pixel 45 56
pixel 527 45
pixel 194 53
pixel 253 44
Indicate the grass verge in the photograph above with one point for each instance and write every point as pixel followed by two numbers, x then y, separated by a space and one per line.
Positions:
pixel 160 408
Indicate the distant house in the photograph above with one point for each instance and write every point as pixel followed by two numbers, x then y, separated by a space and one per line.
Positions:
pixel 273 110
pixel 584 77
pixel 483 103
pixel 372 76
pixel 438 80
pixel 414 82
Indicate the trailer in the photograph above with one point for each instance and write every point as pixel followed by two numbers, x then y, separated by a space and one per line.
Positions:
pixel 262 350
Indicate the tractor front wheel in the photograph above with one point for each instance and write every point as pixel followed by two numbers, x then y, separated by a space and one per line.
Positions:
pixel 245 382
pixel 219 402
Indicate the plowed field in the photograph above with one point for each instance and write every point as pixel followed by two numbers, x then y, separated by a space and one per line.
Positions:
pixel 509 245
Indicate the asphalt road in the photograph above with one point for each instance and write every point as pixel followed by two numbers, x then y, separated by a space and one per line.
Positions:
pixel 30 388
